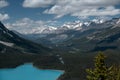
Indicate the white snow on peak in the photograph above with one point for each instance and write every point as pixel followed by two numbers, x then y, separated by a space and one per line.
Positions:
pixel 87 23
pixel 76 25
pixel 118 22
pixel 52 28
pixel 7 43
pixel 41 30
pixel 98 21
pixel 73 25
pixel 47 29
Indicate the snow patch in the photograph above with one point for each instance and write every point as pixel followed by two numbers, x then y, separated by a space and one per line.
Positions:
pixel 7 43
pixel 61 59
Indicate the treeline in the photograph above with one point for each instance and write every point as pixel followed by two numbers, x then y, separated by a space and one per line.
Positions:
pixel 13 60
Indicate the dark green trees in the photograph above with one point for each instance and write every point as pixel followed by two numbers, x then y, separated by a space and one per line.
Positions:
pixel 100 71
pixel 115 73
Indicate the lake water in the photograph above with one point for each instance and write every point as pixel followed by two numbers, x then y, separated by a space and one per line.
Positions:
pixel 28 72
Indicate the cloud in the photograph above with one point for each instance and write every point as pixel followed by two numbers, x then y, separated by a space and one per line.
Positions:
pixel 29 26
pixel 3 3
pixel 108 11
pixel 84 8
pixel 76 7
pixel 37 3
pixel 4 17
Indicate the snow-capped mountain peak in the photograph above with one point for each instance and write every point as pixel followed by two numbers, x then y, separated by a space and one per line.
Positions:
pixel 98 21
pixel 73 25
pixel 87 23
pixel 76 25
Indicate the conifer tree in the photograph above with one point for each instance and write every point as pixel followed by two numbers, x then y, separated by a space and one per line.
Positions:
pixel 115 73
pixel 100 71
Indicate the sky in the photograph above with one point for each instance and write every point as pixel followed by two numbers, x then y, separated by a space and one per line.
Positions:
pixel 26 15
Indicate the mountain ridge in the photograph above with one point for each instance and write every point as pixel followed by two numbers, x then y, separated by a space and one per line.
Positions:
pixel 9 37
pixel 74 40
pixel 76 25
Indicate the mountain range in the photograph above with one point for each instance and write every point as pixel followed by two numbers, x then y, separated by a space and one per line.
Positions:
pixel 70 47
pixel 76 25
pixel 77 36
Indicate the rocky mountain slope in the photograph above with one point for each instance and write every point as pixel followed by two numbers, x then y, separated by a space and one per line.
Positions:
pixel 77 36
pixel 15 51
pixel 10 41
pixel 95 39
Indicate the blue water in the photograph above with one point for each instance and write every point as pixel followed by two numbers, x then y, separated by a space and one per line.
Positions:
pixel 28 72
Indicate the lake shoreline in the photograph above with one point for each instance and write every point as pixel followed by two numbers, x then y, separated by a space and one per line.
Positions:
pixel 52 70
pixel 27 68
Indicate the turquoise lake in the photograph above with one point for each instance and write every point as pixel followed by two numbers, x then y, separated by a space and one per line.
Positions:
pixel 28 72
